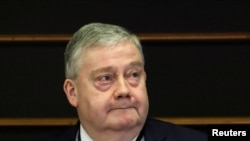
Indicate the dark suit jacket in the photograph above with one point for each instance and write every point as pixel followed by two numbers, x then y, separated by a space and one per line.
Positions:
pixel 154 130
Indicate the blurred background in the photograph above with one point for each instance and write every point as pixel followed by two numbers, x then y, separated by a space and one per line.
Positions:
pixel 188 77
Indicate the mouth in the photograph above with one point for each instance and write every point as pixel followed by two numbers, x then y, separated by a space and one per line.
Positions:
pixel 121 108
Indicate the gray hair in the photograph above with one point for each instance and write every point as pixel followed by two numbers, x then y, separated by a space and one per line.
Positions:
pixel 91 35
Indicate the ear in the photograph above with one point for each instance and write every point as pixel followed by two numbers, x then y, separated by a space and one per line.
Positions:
pixel 71 92
pixel 145 76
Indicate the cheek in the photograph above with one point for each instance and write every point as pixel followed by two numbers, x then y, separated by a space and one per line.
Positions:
pixel 141 97
pixel 144 101
pixel 144 105
pixel 144 97
pixel 89 102
pixel 93 109
pixel 98 105
pixel 92 102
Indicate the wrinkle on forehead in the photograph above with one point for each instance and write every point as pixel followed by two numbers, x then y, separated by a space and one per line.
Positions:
pixel 125 50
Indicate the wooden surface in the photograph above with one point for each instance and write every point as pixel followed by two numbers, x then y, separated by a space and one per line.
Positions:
pixel 143 37
pixel 207 120
pixel 72 121
pixel 37 121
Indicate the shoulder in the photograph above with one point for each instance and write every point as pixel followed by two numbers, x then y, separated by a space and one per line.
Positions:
pixel 68 135
pixel 156 129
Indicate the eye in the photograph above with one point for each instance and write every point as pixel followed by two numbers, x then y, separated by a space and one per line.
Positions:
pixel 133 78
pixel 104 82
pixel 135 74
pixel 105 78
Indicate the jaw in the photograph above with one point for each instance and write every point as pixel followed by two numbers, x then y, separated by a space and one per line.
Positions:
pixel 123 119
pixel 120 125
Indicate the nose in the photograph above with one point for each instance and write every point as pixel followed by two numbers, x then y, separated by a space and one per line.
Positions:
pixel 122 89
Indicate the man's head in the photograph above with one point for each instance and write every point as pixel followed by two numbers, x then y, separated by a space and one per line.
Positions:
pixel 105 78
pixel 92 35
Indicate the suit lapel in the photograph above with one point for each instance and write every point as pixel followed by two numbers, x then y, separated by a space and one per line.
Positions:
pixel 152 132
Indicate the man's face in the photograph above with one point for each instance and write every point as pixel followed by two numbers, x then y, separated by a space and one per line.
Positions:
pixel 110 88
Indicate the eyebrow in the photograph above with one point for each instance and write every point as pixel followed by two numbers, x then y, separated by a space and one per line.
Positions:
pixel 136 63
pixel 109 68
pixel 100 70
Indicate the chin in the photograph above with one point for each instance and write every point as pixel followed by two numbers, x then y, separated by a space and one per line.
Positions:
pixel 125 119
pixel 126 123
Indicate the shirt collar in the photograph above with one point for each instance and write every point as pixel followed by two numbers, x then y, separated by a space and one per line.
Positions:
pixel 85 137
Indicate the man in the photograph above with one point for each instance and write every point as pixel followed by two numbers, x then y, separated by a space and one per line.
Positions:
pixel 106 83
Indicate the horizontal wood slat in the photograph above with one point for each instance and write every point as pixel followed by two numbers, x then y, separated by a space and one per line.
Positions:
pixel 206 120
pixel 143 37
pixel 194 36
pixel 37 121
pixel 72 121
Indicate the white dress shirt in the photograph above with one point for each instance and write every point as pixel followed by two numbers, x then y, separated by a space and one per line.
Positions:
pixel 85 137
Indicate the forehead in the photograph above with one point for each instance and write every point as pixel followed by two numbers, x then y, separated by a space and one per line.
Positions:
pixel 110 68
pixel 102 55
pixel 123 47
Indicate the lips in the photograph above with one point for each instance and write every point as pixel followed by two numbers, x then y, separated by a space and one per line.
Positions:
pixel 122 106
